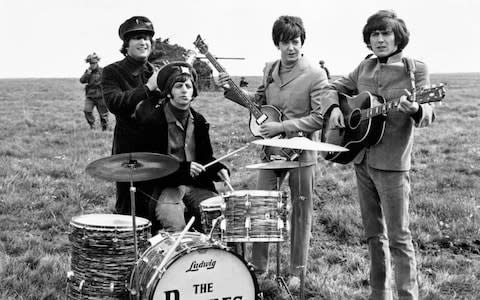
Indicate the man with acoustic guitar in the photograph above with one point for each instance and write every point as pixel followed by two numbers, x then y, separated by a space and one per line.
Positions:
pixel 299 91
pixel 382 169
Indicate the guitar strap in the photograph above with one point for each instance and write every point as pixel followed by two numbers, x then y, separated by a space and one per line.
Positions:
pixel 410 68
pixel 270 72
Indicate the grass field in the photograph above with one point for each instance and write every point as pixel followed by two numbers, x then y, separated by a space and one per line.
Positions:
pixel 46 145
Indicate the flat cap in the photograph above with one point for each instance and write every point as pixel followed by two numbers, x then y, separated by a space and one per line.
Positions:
pixel 136 24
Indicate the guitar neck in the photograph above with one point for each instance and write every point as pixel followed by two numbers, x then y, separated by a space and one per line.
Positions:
pixel 388 106
pixel 256 112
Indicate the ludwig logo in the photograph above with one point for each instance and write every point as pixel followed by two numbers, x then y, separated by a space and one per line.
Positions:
pixel 195 266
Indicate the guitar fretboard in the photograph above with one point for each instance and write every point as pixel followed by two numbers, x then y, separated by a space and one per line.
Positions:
pixel 256 112
pixel 423 96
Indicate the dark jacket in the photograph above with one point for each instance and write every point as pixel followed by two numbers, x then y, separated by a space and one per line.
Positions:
pixel 93 89
pixel 124 87
pixel 152 116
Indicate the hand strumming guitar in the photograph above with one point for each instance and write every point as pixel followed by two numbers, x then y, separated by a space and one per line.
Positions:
pixel 271 129
pixel 336 118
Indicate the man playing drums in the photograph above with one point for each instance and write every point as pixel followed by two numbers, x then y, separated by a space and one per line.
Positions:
pixel 173 127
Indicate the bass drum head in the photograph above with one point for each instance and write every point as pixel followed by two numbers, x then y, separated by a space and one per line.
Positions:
pixel 207 273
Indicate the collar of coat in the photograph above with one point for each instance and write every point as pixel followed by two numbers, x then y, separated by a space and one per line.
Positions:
pixel 299 68
pixel 136 67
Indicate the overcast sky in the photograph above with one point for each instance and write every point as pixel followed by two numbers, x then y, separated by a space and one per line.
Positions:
pixel 51 38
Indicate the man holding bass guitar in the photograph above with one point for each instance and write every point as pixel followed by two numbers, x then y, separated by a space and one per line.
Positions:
pixel 382 170
pixel 299 90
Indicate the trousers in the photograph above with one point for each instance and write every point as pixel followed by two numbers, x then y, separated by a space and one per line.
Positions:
pixel 99 103
pixel 384 200
pixel 301 182
pixel 175 204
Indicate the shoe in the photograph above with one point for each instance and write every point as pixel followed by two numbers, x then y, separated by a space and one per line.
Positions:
pixel 293 283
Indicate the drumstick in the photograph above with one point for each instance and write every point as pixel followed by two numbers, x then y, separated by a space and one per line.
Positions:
pixel 170 251
pixel 229 185
pixel 225 156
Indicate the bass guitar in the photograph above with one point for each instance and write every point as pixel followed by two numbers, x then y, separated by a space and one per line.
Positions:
pixel 258 114
pixel 365 116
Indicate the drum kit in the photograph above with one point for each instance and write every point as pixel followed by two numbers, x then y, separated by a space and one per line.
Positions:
pixel 115 257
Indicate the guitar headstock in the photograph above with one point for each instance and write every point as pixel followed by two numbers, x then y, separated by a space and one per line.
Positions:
pixel 435 93
pixel 200 44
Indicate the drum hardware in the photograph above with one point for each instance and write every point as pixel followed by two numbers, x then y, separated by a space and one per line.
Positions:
pixel 160 268
pixel 101 255
pixel 131 167
pixel 253 216
pixel 181 276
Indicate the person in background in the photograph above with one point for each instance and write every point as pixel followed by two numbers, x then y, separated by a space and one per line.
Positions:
pixel 322 65
pixel 93 92
pixel 125 84
pixel 174 128
pixel 300 90
pixel 382 170
pixel 243 82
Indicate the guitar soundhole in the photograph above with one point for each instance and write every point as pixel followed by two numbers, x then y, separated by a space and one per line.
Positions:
pixel 355 118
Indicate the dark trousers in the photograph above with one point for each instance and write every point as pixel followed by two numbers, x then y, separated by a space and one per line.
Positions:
pixel 90 103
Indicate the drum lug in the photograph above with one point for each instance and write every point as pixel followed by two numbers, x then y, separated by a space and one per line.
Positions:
pixel 112 288
pixel 80 287
pixel 70 275
pixel 280 224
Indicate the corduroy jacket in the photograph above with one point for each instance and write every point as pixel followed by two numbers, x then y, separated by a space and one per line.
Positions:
pixel 389 80
pixel 303 97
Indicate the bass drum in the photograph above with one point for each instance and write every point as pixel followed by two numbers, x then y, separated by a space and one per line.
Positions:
pixel 197 269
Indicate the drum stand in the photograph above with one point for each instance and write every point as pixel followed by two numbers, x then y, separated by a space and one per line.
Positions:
pixel 279 278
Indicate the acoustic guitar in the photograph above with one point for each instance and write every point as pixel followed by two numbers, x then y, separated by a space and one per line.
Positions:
pixel 259 114
pixel 365 116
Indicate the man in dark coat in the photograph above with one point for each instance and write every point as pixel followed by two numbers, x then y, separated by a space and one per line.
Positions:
pixel 174 128
pixel 126 83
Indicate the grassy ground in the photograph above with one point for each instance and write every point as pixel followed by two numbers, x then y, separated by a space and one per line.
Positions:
pixel 46 145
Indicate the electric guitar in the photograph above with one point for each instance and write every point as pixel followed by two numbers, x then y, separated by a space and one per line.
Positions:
pixel 258 114
pixel 365 116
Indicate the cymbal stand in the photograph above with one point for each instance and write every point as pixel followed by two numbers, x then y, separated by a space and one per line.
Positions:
pixel 301 198
pixel 131 165
pixel 280 280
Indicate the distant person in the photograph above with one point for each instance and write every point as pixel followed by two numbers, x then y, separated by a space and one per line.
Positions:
pixel 174 128
pixel 301 92
pixel 93 92
pixel 243 82
pixel 125 84
pixel 382 170
pixel 322 65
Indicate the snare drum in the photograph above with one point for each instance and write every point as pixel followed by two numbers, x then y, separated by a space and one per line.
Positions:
pixel 103 254
pixel 197 269
pixel 211 209
pixel 255 216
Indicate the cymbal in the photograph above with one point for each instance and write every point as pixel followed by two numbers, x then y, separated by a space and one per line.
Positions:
pixel 275 165
pixel 301 143
pixel 135 166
